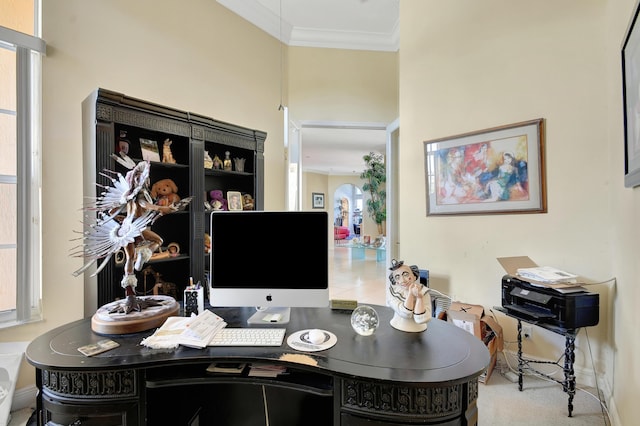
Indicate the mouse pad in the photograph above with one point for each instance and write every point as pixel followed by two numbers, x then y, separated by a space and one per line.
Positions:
pixel 300 341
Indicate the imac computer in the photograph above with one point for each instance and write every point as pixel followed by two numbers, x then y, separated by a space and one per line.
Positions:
pixel 270 260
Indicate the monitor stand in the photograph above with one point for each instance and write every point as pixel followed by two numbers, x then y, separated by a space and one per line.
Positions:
pixel 270 316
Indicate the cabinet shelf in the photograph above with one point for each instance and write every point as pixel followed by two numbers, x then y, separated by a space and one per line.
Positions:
pixel 167 165
pixel 218 172
pixel 314 383
pixel 113 121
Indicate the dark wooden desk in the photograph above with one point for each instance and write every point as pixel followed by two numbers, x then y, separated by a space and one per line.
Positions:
pixel 390 378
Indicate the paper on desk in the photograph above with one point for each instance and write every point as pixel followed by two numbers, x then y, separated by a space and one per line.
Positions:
pixel 194 331
pixel 201 330
pixel 547 274
pixel 267 370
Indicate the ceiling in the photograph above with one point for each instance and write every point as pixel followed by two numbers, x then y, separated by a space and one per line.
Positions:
pixel 331 148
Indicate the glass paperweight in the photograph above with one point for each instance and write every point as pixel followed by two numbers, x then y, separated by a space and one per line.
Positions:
pixel 364 320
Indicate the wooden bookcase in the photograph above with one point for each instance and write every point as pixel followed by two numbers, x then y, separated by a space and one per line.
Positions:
pixel 108 117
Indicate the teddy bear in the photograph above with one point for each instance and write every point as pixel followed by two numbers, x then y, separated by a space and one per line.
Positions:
pixel 218 202
pixel 247 202
pixel 207 243
pixel 165 192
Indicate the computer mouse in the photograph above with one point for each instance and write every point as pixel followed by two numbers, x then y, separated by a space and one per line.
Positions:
pixel 316 336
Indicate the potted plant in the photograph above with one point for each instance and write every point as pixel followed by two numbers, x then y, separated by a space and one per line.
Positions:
pixel 375 177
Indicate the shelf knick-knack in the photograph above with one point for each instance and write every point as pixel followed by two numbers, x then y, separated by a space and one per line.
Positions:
pixel 227 161
pixel 217 162
pixel 167 155
pixel 123 142
pixel 208 161
pixel 239 164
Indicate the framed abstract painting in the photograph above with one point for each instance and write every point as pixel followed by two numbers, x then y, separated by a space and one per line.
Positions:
pixel 493 171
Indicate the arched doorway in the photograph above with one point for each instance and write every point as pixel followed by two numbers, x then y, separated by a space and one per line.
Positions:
pixel 348 202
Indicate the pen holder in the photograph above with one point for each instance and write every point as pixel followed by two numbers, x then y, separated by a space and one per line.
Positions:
pixel 193 301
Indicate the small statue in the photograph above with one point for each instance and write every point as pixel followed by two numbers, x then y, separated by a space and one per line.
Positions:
pixel 409 299
pixel 247 202
pixel 227 161
pixel 123 142
pixel 126 213
pixel 217 162
pixel 208 161
pixel 167 155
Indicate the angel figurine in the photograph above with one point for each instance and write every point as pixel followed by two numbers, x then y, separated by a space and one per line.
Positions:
pixel 126 211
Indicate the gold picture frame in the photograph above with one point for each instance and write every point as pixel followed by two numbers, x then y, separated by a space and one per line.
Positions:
pixel 493 171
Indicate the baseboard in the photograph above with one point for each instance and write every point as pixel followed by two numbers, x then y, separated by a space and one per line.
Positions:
pixel 24 398
pixel 607 396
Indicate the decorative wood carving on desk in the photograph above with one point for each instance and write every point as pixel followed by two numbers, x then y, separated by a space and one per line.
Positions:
pixel 404 401
pixel 91 384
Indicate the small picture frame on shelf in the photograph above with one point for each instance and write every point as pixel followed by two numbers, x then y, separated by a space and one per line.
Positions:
pixel 234 200
pixel 149 150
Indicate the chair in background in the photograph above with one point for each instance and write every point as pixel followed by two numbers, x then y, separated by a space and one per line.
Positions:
pixel 439 302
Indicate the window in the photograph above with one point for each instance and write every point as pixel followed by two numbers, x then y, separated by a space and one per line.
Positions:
pixel 21 52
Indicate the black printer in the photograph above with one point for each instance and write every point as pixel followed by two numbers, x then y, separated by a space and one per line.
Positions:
pixel 545 305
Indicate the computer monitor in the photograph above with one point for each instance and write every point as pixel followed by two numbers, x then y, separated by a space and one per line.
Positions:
pixel 271 260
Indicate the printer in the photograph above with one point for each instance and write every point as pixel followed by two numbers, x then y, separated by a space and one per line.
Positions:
pixel 544 305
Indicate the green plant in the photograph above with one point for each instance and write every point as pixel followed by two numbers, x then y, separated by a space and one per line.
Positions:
pixel 375 176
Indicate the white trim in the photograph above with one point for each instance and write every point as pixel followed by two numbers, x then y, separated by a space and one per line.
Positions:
pixel 271 22
pixel 24 398
pixel 23 40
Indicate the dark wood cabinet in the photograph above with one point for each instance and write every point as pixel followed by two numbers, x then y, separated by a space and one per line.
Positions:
pixel 113 121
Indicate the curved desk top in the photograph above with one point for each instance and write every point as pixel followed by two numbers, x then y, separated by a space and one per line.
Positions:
pixel 443 353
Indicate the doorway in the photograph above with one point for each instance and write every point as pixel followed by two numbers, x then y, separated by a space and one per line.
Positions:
pixel 348 201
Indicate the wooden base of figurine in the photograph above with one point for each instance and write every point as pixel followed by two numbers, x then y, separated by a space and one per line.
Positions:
pixel 104 322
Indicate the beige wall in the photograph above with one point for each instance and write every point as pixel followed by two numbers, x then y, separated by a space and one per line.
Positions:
pixel 197 57
pixel 469 65
pixel 315 182
pixel 342 85
pixel 623 210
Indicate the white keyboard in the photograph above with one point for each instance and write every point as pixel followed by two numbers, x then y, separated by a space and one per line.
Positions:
pixel 248 337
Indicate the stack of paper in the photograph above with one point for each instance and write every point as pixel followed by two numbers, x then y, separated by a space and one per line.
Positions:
pixel 196 331
pixel 267 370
pixel 547 274
pixel 201 330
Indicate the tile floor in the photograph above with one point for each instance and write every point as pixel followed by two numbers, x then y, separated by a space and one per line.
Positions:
pixel 364 280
